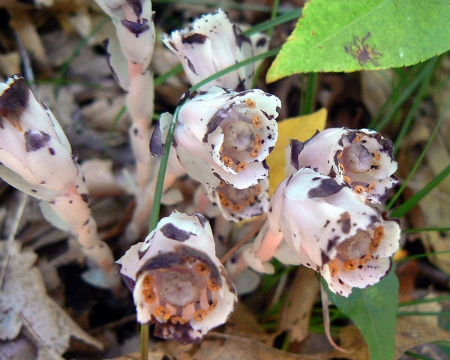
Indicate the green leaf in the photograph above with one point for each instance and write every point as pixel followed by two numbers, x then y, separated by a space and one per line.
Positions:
pixel 374 311
pixel 350 35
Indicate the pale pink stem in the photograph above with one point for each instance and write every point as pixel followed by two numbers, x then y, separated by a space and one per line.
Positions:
pixel 269 245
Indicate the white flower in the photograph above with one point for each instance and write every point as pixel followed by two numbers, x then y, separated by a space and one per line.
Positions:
pixel 238 204
pixel 211 44
pixel 177 280
pixel 223 135
pixel 332 230
pixel 360 159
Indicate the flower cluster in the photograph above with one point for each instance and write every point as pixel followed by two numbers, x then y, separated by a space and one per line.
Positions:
pixel 322 215
pixel 177 281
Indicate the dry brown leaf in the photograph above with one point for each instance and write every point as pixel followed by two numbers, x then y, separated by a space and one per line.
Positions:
pixel 298 306
pixel 416 330
pixel 25 307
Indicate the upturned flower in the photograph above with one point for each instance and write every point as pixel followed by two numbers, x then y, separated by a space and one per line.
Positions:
pixel 223 135
pixel 177 281
pixel 332 230
pixel 213 43
pixel 360 159
pixel 239 204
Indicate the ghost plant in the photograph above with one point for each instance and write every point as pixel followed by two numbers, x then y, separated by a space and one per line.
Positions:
pixel 177 281
pixel 223 135
pixel 359 159
pixel 36 158
pixel 129 57
pixel 213 43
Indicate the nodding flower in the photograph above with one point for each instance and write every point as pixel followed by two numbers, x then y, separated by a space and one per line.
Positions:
pixel 359 159
pixel 326 226
pixel 239 204
pixel 213 43
pixel 177 281
pixel 223 135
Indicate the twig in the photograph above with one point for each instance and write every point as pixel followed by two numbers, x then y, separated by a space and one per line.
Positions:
pixel 230 252
pixel 26 63
pixel 326 320
pixel 12 233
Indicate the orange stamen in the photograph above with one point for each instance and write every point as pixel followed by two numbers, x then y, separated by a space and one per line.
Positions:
pixel 256 122
pixel 228 161
pixel 241 166
pixel 177 320
pixel 250 103
pixel 350 264
pixel 149 296
pixel 162 312
pixel 202 269
pixel 212 285
pixel 199 315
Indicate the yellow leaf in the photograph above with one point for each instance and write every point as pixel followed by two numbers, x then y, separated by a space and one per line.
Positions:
pixel 300 128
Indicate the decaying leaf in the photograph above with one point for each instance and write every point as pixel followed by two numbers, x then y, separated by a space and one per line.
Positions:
pixel 25 307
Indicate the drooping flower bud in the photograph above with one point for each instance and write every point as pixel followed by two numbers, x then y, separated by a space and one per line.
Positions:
pixel 224 135
pixel 213 43
pixel 360 159
pixel 177 281
pixel 36 158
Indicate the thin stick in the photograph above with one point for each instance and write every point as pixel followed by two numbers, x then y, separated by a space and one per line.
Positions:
pixel 326 320
pixel 12 233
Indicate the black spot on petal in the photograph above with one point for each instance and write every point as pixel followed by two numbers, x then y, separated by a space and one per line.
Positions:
pixel 35 140
pixel 195 38
pixel 326 188
pixel 172 232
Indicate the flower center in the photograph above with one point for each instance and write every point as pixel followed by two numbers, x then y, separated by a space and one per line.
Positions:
pixel 356 246
pixel 238 136
pixel 179 289
pixel 356 159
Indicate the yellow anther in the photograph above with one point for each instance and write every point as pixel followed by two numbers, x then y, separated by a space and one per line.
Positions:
pixel 177 320
pixel 149 296
pixel 213 305
pixel 379 232
pixel 250 103
pixel 376 155
pixel 238 207
pixel 350 264
pixel 225 202
pixel 258 139
pixel 358 138
pixel 347 180
pixel 258 189
pixel 147 282
pixel 212 285
pixel 340 154
pixel 342 168
pixel 334 268
pixel 255 151
pixel 365 259
pixel 202 269
pixel 162 312
pixel 250 201
pixel 256 122
pixel 371 186
pixel 241 166
pixel 359 189
pixel 200 314
pixel 228 161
